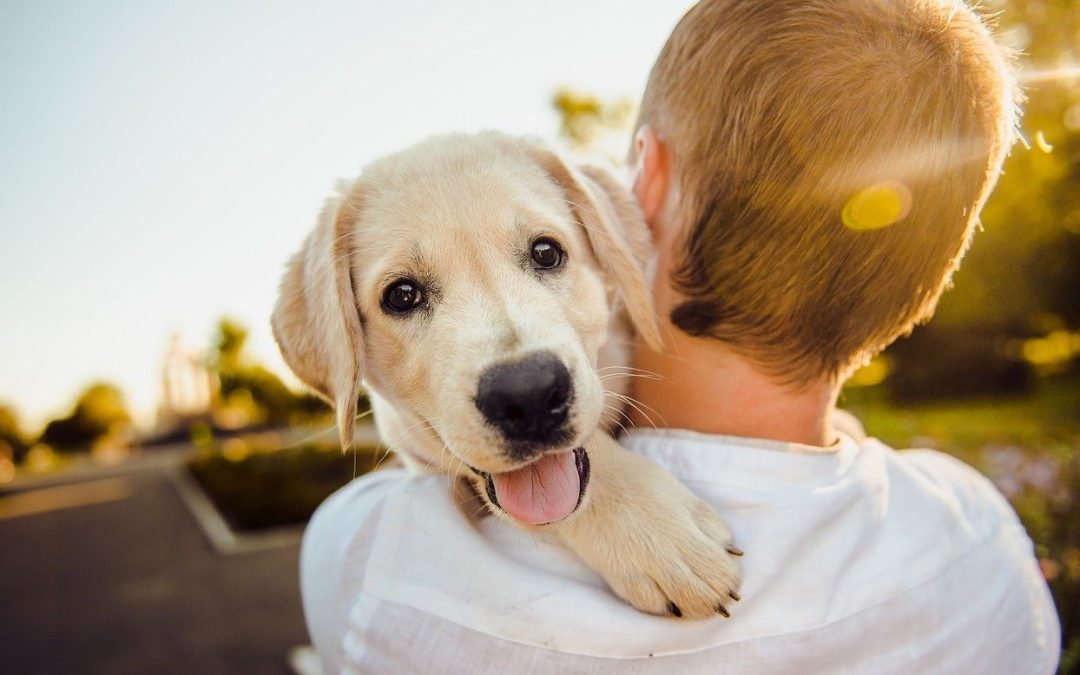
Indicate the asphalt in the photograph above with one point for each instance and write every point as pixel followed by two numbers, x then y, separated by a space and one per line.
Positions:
pixel 112 574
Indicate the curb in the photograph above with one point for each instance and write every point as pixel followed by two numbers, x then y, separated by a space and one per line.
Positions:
pixel 222 538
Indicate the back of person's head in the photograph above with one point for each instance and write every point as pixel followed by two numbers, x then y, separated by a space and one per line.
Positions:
pixel 832 157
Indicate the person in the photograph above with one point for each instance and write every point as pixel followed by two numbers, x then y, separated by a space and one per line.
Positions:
pixel 812 172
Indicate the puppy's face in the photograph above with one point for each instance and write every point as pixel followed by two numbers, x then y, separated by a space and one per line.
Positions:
pixel 482 304
pixel 469 281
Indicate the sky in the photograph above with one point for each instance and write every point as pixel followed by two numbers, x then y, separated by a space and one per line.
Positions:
pixel 159 161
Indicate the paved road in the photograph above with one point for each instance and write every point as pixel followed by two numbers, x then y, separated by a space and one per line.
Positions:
pixel 121 580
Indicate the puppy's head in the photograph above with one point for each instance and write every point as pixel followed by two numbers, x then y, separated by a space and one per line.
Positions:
pixel 470 281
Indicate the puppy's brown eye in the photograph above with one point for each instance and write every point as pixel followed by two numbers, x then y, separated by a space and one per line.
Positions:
pixel 402 296
pixel 546 255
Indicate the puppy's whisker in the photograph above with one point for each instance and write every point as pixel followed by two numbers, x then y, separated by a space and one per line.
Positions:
pixel 379 460
pixel 614 375
pixel 632 401
pixel 638 405
pixel 630 369
pixel 410 433
pixel 307 439
pixel 619 414
pixel 455 473
pixel 479 510
pixel 322 432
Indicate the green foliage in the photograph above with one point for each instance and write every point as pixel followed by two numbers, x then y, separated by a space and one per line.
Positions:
pixel 99 410
pixel 1046 421
pixel 279 487
pixel 586 121
pixel 229 343
pixel 248 386
pixel 11 434
pixel 1022 270
pixel 941 361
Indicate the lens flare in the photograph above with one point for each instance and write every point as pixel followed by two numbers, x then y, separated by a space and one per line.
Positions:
pixel 880 205
pixel 1042 143
pixel 1065 72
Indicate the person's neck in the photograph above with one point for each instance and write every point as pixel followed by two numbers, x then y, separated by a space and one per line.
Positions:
pixel 699 385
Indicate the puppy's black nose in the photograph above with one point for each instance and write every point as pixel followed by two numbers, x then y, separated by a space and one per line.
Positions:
pixel 527 400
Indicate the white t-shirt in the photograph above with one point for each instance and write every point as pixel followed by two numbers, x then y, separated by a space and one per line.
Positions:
pixel 858 560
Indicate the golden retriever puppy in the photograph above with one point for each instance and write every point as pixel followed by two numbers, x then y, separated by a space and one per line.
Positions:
pixel 474 284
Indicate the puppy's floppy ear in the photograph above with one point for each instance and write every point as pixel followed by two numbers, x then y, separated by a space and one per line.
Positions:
pixel 616 229
pixel 316 322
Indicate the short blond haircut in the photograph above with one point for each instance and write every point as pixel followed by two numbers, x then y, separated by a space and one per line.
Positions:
pixel 777 115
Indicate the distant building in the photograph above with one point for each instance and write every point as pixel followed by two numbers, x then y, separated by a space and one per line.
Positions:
pixel 188 386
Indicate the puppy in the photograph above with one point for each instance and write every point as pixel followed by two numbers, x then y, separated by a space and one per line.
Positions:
pixel 472 283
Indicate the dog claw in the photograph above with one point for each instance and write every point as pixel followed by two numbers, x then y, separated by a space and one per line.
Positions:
pixel 734 596
pixel 733 550
pixel 674 609
pixel 722 611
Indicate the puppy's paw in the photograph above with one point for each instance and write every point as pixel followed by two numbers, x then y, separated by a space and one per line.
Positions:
pixel 685 565
pixel 657 545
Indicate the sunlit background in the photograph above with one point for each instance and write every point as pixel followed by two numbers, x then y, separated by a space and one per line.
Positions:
pixel 160 161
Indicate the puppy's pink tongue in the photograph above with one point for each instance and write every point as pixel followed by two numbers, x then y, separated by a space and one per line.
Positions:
pixel 542 492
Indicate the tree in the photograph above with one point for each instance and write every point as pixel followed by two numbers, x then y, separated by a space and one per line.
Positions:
pixel 251 390
pixel 591 125
pixel 11 435
pixel 1021 270
pixel 99 410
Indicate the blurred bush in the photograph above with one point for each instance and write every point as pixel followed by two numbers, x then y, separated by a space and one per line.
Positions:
pixel 249 394
pixel 11 437
pixel 99 412
pixel 941 361
pixel 257 488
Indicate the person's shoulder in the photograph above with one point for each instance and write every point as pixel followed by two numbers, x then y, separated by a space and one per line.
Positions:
pixel 340 530
pixel 994 563
pixel 355 502
pixel 338 544
pixel 355 510
pixel 956 483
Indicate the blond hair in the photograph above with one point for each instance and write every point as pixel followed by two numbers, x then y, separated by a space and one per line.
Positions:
pixel 781 116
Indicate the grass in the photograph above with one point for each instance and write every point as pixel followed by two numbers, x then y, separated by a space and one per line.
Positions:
pixel 1046 422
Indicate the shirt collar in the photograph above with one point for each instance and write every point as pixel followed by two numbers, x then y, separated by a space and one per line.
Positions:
pixel 753 463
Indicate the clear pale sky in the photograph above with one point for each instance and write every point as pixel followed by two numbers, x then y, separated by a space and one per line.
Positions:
pixel 159 161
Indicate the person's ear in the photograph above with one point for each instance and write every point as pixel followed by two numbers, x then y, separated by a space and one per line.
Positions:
pixel 652 177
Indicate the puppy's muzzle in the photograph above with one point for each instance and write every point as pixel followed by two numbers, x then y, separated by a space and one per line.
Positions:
pixel 528 401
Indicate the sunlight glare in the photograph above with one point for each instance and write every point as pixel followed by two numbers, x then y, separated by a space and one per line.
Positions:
pixel 1042 143
pixel 1049 74
pixel 877 206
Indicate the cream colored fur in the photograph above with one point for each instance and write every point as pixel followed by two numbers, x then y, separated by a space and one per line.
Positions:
pixel 458 213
